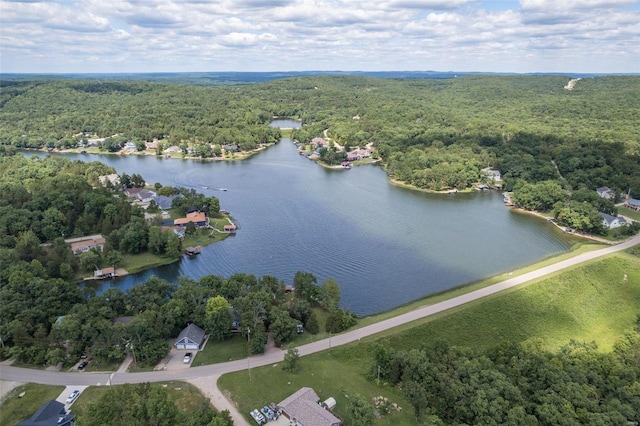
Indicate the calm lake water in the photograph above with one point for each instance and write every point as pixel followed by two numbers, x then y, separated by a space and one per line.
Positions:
pixel 286 123
pixel 384 245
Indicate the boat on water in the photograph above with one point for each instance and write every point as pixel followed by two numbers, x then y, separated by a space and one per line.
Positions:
pixel 220 189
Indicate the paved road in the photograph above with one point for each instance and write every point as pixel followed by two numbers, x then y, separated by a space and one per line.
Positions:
pixel 25 375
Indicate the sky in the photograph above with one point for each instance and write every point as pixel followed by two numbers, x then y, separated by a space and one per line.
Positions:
pixel 138 36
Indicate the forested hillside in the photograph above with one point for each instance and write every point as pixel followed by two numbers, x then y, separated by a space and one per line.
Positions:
pixel 432 134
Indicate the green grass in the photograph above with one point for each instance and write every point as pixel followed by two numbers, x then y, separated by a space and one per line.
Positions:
pixel 328 373
pixel 137 262
pixel 216 351
pixel 15 409
pixel 590 302
pixel 629 213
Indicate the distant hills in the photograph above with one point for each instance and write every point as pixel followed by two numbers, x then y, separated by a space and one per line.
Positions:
pixel 231 78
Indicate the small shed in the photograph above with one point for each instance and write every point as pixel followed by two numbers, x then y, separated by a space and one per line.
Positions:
pixel 230 228
pixel 329 403
pixel 192 337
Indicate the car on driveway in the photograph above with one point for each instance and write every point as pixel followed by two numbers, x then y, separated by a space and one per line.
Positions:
pixel 258 417
pixel 73 396
pixel 187 357
pixel 82 365
pixel 268 413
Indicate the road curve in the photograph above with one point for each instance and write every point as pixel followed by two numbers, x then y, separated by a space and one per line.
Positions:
pixel 26 375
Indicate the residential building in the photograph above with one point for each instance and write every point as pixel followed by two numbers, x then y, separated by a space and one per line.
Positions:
pixel 191 337
pixel 199 219
pixel 492 174
pixel 84 244
pixel 606 192
pixel 113 179
pixel 612 222
pixel 632 204
pixel 51 413
pixel 302 409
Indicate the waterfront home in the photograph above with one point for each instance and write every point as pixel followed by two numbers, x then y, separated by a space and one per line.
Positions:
pixel 230 228
pixel 140 194
pixel 612 222
pixel 112 179
pixel 199 219
pixel 130 146
pixel 605 192
pixel 151 145
pixel 492 174
pixel 232 147
pixel 352 156
pixel 319 142
pixel 174 149
pixel 84 244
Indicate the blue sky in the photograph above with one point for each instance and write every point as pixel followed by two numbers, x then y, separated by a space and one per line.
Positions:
pixel 93 36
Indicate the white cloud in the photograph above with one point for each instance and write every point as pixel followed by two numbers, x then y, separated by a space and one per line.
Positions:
pixel 254 35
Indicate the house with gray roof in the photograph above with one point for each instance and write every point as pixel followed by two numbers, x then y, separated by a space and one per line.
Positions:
pixel 612 222
pixel 302 409
pixel 606 192
pixel 192 337
pixel 632 204
pixel 51 413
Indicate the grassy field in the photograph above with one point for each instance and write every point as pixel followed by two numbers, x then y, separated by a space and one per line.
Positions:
pixel 216 351
pixel 591 302
pixel 15 409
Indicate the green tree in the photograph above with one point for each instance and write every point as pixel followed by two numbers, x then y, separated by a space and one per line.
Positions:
pixel 283 327
pixel 291 360
pixel 329 294
pixel 312 325
pixel 91 260
pixel 305 285
pixel 218 317
pixel 360 411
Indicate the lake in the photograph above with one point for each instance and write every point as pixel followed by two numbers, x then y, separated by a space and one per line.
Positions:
pixel 384 245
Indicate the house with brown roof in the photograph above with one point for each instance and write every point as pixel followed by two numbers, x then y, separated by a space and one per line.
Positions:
pixel 84 244
pixel 199 219
pixel 302 408
pixel 104 273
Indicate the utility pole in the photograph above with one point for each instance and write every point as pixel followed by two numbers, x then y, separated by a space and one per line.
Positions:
pixel 249 352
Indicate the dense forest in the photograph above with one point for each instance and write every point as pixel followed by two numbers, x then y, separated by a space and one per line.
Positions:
pixel 517 384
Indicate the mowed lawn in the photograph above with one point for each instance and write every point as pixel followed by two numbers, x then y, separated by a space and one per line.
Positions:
pixel 592 302
pixel 15 409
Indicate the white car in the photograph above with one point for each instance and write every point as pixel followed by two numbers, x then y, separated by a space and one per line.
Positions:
pixel 258 417
pixel 73 396
pixel 187 357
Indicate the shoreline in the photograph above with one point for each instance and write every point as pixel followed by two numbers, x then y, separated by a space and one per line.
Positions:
pixel 243 155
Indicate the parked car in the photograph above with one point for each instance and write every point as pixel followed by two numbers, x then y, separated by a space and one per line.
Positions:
pixel 82 365
pixel 258 417
pixel 187 357
pixel 73 396
pixel 268 413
